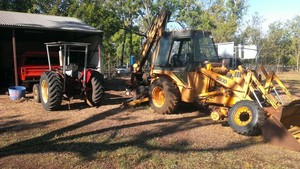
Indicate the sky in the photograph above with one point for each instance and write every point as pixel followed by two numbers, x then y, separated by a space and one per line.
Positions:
pixel 273 10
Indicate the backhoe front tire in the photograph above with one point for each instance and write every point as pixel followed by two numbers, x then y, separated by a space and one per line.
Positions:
pixel 246 118
pixel 95 90
pixel 164 96
pixel 51 90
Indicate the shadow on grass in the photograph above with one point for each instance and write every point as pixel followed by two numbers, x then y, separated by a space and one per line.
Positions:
pixel 108 99
pixel 191 107
pixel 55 141
pixel 73 106
pixel 113 99
pixel 20 125
pixel 9 117
pixel 116 84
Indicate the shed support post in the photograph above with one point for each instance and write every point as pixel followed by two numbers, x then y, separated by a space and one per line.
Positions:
pixel 99 54
pixel 15 57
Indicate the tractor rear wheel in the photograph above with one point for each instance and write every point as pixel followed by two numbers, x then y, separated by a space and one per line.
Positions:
pixel 246 117
pixel 164 96
pixel 51 90
pixel 95 90
pixel 36 93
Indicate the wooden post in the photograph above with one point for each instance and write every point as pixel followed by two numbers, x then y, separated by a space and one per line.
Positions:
pixel 99 55
pixel 15 57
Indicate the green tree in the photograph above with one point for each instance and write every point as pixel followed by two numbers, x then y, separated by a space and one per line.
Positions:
pixel 55 7
pixel 115 19
pixel 128 12
pixel 295 36
pixel 123 22
pixel 278 44
pixel 16 5
pixel 222 17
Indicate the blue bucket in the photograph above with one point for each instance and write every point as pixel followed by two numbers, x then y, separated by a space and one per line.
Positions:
pixel 16 92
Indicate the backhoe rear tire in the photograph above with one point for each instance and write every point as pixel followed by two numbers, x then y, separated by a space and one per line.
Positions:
pixel 51 90
pixel 164 96
pixel 246 118
pixel 95 90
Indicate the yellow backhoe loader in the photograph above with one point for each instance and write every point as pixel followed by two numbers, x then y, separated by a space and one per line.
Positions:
pixel 185 67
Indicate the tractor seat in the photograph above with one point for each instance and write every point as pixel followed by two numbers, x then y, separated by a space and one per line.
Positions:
pixel 72 70
pixel 175 61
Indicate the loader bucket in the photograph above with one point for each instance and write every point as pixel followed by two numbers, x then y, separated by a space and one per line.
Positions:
pixel 282 128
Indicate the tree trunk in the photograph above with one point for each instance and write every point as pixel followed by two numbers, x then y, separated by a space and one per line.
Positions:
pixel 297 60
pixel 123 49
pixel 278 64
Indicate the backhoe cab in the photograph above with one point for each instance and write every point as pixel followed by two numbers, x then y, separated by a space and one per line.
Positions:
pixel 185 68
pixel 176 60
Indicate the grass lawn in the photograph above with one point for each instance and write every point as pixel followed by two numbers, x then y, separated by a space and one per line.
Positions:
pixel 113 137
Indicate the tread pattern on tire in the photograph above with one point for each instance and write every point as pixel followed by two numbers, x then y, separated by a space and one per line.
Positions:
pixel 97 90
pixel 172 95
pixel 55 90
pixel 36 93
pixel 254 127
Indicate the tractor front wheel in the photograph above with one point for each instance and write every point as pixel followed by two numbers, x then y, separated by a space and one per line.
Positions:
pixel 36 93
pixel 164 96
pixel 51 90
pixel 246 117
pixel 95 90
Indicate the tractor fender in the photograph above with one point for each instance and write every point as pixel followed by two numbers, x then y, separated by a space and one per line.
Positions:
pixel 89 73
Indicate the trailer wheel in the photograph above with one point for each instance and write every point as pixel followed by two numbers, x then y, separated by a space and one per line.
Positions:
pixel 51 90
pixel 246 117
pixel 36 93
pixel 95 90
pixel 164 96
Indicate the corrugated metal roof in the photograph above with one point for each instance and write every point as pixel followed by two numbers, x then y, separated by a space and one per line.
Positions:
pixel 39 21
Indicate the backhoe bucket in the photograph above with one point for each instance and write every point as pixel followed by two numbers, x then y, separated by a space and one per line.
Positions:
pixel 282 128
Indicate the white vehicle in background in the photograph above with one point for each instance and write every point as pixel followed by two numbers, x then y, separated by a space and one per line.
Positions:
pixel 122 70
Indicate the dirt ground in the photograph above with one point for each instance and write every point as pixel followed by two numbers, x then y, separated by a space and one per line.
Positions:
pixel 110 136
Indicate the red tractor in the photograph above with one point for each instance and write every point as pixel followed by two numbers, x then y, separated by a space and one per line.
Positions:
pixel 71 79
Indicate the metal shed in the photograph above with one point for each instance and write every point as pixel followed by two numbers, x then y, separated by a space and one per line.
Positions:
pixel 21 32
